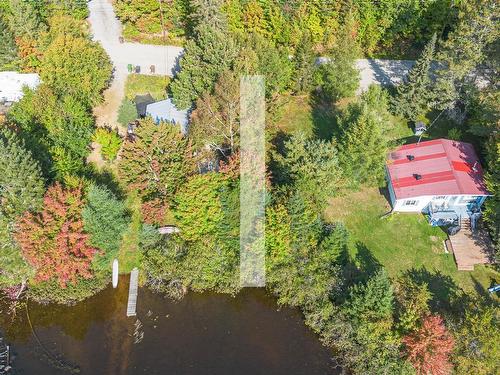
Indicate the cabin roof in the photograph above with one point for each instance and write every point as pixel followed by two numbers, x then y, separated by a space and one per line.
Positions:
pixel 437 167
pixel 165 110
pixel 12 83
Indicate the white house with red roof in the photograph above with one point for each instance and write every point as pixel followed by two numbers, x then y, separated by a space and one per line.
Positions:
pixel 437 177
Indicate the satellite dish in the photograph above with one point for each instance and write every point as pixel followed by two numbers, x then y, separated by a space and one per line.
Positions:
pixel 115 273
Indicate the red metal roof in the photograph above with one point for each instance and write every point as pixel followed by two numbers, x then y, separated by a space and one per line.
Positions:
pixel 444 167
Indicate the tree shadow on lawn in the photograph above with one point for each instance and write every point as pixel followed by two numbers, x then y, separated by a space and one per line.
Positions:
pixel 106 178
pixel 360 268
pixel 482 291
pixel 446 295
pixel 323 117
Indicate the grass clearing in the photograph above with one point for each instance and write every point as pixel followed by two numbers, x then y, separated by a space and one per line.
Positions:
pixel 401 241
pixel 140 84
pixel 130 254
pixel 302 113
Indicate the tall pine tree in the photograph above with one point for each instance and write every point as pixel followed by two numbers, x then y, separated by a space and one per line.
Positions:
pixel 464 51
pixel 21 183
pixel 363 145
pixel 413 97
pixel 8 48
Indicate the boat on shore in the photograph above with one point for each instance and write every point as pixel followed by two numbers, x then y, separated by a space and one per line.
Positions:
pixel 115 273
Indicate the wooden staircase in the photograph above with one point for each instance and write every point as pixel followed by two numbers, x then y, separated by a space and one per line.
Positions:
pixel 465 224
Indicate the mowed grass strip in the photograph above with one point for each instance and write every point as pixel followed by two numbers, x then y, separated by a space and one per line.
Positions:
pixel 141 84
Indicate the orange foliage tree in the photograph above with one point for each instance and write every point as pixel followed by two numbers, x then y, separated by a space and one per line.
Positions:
pixel 429 347
pixel 53 241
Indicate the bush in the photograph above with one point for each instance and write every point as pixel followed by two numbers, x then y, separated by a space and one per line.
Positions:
pixel 110 142
pixel 105 218
pixel 127 112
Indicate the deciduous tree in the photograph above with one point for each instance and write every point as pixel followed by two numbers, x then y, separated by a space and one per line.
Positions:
pixel 429 348
pixel 53 241
pixel 215 122
pixel 154 162
pixel 77 67
pixel 477 346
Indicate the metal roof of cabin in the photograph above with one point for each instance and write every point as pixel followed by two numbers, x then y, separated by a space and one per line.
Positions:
pixel 443 167
pixel 12 83
pixel 165 110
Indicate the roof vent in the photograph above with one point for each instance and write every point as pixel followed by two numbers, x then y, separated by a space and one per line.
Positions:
pixel 410 157
pixel 417 176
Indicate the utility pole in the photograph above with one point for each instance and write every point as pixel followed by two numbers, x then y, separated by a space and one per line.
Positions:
pixel 160 2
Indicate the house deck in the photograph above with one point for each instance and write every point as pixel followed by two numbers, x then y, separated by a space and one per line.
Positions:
pixel 471 248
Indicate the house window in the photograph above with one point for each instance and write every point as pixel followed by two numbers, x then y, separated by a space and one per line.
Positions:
pixel 439 198
pixel 467 199
pixel 410 202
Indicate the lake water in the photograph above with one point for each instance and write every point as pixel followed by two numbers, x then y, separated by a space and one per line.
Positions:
pixel 203 334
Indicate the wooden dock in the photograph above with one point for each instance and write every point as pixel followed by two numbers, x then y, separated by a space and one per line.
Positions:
pixel 132 292
pixel 471 247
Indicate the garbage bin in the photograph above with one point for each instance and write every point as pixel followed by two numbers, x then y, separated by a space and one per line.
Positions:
pixel 121 39
pixel 137 69
pixel 130 68
pixel 152 69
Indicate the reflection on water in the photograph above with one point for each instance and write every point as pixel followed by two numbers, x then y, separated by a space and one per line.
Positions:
pixel 203 334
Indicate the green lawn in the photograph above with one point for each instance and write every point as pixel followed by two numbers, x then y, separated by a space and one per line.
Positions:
pixel 139 84
pixel 400 241
pixel 302 113
pixel 130 255
pixel 313 117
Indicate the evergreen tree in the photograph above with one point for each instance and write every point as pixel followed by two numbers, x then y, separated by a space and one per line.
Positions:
pixel 463 51
pixel 205 58
pixel 13 268
pixel 413 95
pixel 304 64
pixel 8 48
pixel 105 219
pixel 372 301
pixel 21 183
pixel 313 166
pixel 492 178
pixel 362 143
pixel 208 13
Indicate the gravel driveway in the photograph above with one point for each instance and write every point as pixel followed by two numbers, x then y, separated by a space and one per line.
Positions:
pixel 106 29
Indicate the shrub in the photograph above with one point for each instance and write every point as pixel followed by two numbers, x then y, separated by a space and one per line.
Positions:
pixel 127 112
pixel 110 142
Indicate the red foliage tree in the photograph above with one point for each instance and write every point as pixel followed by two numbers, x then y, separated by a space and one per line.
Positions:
pixel 429 348
pixel 53 241
pixel 154 211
